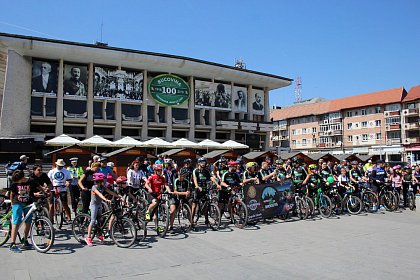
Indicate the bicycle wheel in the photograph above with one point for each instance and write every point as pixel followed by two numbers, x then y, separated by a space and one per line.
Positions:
pixel 311 206
pixel 162 219
pixel 239 214
pixel 337 201
pixel 325 206
pixel 389 201
pixel 354 205
pixel 80 226
pixel 197 214
pixel 302 208
pixel 141 209
pixel 123 232
pixel 184 217
pixel 5 229
pixel 213 212
pixel 370 201
pixel 58 213
pixel 42 234
pixel 411 200
pixel 141 230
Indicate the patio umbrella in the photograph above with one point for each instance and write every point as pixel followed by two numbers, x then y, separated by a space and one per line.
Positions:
pixel 157 143
pixel 210 144
pixel 234 145
pixel 184 143
pixel 127 142
pixel 62 140
pixel 96 141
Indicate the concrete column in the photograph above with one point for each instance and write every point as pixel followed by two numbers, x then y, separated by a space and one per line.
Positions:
pixel 16 96
pixel 266 106
pixel 213 124
pixel 118 119
pixel 191 110
pixel 231 113
pixel 144 107
pixel 267 142
pixel 89 103
pixel 59 128
pixel 168 115
pixel 250 114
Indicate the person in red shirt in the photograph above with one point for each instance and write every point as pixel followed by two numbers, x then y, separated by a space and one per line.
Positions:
pixel 155 184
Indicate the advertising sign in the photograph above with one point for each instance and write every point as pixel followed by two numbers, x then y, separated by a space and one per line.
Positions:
pixel 169 90
pixel 266 201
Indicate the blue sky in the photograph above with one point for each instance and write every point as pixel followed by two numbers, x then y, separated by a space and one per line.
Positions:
pixel 339 48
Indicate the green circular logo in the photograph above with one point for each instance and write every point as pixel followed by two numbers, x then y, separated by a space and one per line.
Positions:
pixel 169 90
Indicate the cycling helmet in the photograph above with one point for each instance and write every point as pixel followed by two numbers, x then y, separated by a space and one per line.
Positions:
pixel 397 167
pixel 297 160
pixel 312 166
pixel 168 160
pixel 187 161
pixel 232 163
pixel 121 179
pixel 184 172
pixel 279 162
pixel 98 176
pixel 250 164
pixel 354 162
pixel 110 164
pixel 202 159
pixel 157 167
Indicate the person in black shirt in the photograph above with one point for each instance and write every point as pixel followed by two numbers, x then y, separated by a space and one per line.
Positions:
pixel 86 183
pixel 230 180
pixel 41 178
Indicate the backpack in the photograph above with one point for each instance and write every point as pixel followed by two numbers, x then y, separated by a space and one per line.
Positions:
pixel 12 168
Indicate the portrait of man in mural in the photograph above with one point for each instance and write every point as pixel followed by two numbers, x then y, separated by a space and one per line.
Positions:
pixel 222 98
pixel 257 105
pixel 44 77
pixel 240 101
pixel 74 84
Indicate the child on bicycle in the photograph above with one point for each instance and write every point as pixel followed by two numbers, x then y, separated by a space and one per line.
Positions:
pixel 95 207
pixel 155 184
pixel 181 190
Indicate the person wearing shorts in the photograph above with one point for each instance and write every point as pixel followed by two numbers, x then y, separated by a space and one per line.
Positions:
pixel 60 179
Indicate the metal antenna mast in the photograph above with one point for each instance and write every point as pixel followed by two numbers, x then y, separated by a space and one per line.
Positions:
pixel 298 89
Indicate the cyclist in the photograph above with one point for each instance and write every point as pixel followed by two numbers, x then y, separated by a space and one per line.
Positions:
pixel 344 182
pixel 170 172
pixel 155 184
pixel 264 175
pixel 407 177
pixel 312 180
pixel 76 172
pixel 281 171
pixel 201 177
pixel 60 178
pixel 105 169
pixel 40 177
pixel 22 192
pixel 95 207
pixel 135 177
pixel 250 176
pixel 181 190
pixel 416 179
pixel 110 179
pixel 298 174
pixel 86 183
pixel 326 175
pixel 229 180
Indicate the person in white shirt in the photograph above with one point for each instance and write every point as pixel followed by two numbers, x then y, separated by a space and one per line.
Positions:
pixel 60 179
pixel 135 176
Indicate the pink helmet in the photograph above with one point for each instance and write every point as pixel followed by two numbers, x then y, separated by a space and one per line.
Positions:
pixel 397 167
pixel 98 176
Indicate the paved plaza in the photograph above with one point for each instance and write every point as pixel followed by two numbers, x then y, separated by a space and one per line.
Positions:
pixel 375 246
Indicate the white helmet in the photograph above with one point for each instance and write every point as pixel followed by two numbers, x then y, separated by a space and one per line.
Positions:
pixel 110 164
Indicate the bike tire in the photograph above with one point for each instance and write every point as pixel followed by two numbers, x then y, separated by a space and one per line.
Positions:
pixel 197 214
pixel 302 208
pixel 239 214
pixel 311 206
pixel 5 229
pixel 389 201
pixel 123 232
pixel 354 205
pixel 79 227
pixel 214 216
pixel 141 230
pixel 162 220
pixel 325 206
pixel 42 234
pixel 369 200
pixel 411 200
pixel 184 217
pixel 58 213
pixel 141 209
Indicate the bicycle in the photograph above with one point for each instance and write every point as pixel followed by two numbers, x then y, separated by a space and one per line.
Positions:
pixel 411 198
pixel 212 209
pixel 237 209
pixel 386 197
pixel 123 230
pixel 295 203
pixel 131 212
pixel 41 230
pixel 183 215
pixel 161 215
pixel 58 211
pixel 368 197
pixel 352 202
pixel 322 202
pixel 336 199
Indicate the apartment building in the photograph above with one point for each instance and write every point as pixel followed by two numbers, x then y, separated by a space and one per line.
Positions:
pixel 385 123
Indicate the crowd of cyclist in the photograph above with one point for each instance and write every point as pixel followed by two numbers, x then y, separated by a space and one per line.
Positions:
pixel 188 180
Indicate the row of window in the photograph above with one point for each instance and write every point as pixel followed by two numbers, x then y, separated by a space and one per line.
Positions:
pixel 364 124
pixel 365 137
pixel 364 112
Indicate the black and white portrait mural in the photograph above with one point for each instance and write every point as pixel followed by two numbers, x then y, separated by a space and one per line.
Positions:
pixel 257 99
pixel 75 81
pixel 213 95
pixel 240 103
pixel 118 85
pixel 44 77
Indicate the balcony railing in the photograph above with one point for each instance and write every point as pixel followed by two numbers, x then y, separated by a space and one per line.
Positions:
pixel 412 126
pixel 391 113
pixel 412 140
pixel 390 127
pixel 393 141
pixel 411 112
pixel 228 124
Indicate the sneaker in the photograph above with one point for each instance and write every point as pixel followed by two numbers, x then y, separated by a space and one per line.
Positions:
pixel 381 207
pixel 194 228
pixel 171 230
pixel 101 237
pixel 160 229
pixel 26 245
pixel 88 241
pixel 14 248
pixel 147 215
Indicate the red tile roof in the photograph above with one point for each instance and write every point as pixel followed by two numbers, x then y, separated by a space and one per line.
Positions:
pixel 413 94
pixel 369 99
